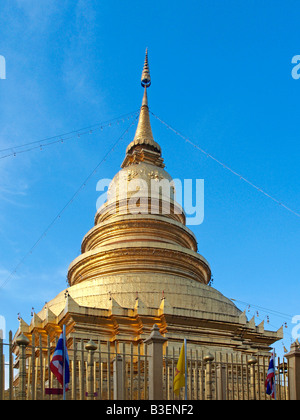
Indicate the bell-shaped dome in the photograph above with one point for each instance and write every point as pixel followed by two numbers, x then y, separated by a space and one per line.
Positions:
pixel 141 188
pixel 144 177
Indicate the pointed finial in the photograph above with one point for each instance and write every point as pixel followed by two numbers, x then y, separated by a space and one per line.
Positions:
pixel 143 136
pixel 146 79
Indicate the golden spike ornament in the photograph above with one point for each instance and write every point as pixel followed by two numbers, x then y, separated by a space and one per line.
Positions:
pixel 146 79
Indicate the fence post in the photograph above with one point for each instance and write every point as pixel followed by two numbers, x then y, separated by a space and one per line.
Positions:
pixel 118 377
pixel 208 379
pixel 22 341
pixel 221 382
pixel 2 372
pixel 90 347
pixel 251 363
pixel 294 371
pixel 155 342
pixel 11 367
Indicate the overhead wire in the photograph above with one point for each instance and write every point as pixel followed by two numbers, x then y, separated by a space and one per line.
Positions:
pixel 40 144
pixel 226 166
pixel 14 271
pixel 78 133
pixel 267 310
pixel 268 314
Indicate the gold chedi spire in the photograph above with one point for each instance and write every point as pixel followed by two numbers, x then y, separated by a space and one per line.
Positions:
pixel 143 136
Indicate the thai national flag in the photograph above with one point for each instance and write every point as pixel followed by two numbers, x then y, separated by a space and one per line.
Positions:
pixel 270 381
pixel 60 362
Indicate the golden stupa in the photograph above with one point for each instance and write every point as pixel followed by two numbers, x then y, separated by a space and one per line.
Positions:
pixel 140 269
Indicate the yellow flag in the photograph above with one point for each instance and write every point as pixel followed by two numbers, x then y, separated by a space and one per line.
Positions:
pixel 179 379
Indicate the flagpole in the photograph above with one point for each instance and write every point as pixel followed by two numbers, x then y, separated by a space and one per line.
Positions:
pixel 274 374
pixel 64 362
pixel 185 368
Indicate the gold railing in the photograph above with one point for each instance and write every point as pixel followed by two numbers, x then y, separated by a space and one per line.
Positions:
pixel 102 370
pixel 231 376
pixel 126 366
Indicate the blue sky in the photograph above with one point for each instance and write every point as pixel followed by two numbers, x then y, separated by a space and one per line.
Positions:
pixel 221 75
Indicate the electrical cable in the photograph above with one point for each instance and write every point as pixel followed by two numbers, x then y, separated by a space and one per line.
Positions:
pixel 226 167
pixel 39 144
pixel 13 272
